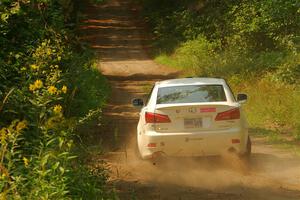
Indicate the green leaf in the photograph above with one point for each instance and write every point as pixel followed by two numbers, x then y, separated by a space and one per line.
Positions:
pixel 62 170
pixel 4 17
pixel 54 167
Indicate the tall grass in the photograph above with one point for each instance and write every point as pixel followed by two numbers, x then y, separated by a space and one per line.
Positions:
pixel 272 106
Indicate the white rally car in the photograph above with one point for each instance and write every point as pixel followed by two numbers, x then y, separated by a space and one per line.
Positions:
pixel 192 117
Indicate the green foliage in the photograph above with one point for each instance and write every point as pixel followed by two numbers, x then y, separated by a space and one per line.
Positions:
pixel 89 184
pixel 198 54
pixel 289 71
pixel 48 84
pixel 204 58
pixel 271 106
pixel 87 94
pixel 258 25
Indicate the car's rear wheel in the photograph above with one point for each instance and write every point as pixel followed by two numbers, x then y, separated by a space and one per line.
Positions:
pixel 249 147
pixel 247 154
pixel 136 150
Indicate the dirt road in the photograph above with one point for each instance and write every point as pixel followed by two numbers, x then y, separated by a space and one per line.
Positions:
pixel 121 42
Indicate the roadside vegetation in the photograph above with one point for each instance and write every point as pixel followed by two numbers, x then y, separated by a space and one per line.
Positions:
pixel 50 89
pixel 254 45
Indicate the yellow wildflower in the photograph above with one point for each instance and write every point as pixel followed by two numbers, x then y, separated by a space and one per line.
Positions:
pixel 21 125
pixel 64 89
pixel 58 58
pixel 57 109
pixel 23 69
pixel 32 87
pixel 26 161
pixel 52 89
pixel 38 84
pixel 34 67
pixel 3 135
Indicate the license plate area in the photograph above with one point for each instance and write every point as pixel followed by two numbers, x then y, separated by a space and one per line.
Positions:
pixel 193 123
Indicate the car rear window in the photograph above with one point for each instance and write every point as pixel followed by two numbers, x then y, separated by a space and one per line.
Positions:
pixel 191 94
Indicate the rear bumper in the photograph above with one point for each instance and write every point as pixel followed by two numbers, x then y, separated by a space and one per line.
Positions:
pixel 208 143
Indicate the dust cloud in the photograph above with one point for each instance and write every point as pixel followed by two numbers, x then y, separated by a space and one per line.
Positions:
pixel 212 173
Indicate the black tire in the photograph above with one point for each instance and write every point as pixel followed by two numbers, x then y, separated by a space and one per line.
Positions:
pixel 136 150
pixel 247 154
pixel 249 147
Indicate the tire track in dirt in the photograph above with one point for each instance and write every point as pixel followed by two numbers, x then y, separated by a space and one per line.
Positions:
pixel 121 42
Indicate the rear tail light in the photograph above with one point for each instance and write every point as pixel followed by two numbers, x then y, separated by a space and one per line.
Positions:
pixel 228 115
pixel 151 145
pixel 235 141
pixel 156 118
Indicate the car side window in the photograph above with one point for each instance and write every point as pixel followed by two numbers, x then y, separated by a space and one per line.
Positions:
pixel 231 92
pixel 149 95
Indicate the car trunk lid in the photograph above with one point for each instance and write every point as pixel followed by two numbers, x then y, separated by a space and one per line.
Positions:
pixel 197 117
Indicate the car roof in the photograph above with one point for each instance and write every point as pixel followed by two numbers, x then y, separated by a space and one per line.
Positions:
pixel 191 81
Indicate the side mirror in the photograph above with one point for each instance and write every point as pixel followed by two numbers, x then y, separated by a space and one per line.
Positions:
pixel 242 98
pixel 138 102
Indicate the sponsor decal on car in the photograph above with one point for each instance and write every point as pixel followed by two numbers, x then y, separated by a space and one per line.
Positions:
pixel 208 110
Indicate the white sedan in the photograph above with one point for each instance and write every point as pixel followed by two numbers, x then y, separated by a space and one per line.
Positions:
pixel 192 117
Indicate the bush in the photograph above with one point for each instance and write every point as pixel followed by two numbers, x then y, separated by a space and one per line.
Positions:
pixel 255 25
pixel 48 84
pixel 271 106
pixel 289 71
